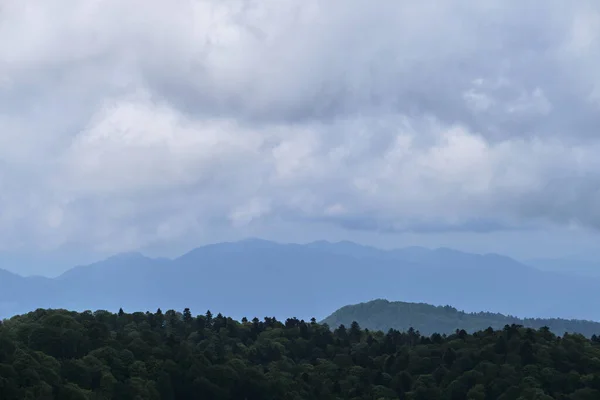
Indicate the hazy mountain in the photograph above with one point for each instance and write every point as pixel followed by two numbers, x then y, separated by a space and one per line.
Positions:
pixel 262 278
pixel 428 319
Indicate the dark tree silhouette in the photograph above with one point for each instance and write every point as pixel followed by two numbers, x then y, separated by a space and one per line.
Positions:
pixel 58 354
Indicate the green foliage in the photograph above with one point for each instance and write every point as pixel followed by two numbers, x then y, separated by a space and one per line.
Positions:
pixel 383 315
pixel 56 354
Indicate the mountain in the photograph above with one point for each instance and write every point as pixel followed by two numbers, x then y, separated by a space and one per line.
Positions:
pixel 263 278
pixel 383 315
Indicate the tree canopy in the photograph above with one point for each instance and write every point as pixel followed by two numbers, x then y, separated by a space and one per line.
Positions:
pixel 58 354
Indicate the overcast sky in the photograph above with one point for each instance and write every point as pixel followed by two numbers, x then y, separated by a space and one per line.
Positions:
pixel 161 125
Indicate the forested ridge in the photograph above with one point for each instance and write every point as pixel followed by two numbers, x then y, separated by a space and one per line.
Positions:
pixel 58 354
pixel 428 319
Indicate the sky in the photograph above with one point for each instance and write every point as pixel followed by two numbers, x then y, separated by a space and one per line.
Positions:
pixel 160 126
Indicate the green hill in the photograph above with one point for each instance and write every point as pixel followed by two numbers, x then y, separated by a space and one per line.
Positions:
pixel 427 319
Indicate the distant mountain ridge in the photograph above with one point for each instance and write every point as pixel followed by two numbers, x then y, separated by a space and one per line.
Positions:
pixel 383 315
pixel 262 278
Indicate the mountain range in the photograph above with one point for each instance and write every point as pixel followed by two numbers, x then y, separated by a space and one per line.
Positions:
pixel 383 315
pixel 262 278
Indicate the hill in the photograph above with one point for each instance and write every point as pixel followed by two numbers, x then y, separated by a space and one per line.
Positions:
pixel 266 278
pixel 428 319
pixel 63 355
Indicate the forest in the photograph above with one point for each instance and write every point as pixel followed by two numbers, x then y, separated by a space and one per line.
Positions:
pixel 428 319
pixel 59 354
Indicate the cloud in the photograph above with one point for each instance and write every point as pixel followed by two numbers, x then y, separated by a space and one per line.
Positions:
pixel 129 124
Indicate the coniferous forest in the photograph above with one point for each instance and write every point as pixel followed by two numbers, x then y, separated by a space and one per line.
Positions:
pixel 57 354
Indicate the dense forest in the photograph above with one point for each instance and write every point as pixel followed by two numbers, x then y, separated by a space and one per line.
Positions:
pixel 57 354
pixel 383 315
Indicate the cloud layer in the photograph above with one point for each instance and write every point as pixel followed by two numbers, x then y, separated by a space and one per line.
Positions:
pixel 127 124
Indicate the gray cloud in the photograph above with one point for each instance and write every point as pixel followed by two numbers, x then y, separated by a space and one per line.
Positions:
pixel 123 129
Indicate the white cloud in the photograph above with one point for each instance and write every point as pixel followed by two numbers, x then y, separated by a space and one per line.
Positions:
pixel 124 124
